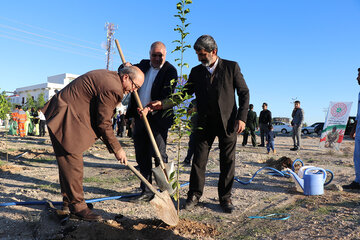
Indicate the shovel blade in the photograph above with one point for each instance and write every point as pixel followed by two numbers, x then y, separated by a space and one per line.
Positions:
pixel 164 208
pixel 162 179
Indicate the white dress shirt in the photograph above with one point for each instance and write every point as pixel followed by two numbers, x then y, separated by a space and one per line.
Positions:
pixel 212 69
pixel 145 90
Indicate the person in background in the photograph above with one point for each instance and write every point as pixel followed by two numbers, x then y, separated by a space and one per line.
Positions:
pixel 42 122
pixel 270 140
pixel 265 121
pixel 114 123
pixel 129 126
pixel 28 128
pixel 14 122
pixel 21 121
pixel 355 134
pixel 251 126
pixel 296 123
pixel 120 122
pixel 35 119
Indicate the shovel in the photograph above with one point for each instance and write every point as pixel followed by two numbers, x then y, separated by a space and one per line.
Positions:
pixel 162 203
pixel 161 172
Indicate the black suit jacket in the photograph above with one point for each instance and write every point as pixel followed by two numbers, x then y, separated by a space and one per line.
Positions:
pixel 160 90
pixel 251 120
pixel 229 80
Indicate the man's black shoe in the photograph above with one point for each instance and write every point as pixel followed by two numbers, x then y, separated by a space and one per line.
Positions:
pixel 191 202
pixel 295 148
pixel 261 145
pixel 145 197
pixel 227 206
pixel 352 186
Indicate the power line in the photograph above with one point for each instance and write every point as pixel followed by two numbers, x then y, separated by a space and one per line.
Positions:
pixel 109 46
pixel 41 42
pixel 48 46
pixel 46 37
pixel 46 30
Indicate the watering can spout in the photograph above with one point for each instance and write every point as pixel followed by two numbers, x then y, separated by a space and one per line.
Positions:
pixel 299 180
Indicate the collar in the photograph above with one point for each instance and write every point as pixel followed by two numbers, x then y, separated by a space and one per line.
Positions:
pixel 212 69
pixel 155 68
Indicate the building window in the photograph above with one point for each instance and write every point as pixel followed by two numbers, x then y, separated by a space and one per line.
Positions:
pixel 23 100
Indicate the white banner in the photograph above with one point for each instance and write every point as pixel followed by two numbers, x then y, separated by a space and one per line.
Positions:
pixel 335 125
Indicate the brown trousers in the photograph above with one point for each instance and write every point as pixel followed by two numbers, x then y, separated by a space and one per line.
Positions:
pixel 70 175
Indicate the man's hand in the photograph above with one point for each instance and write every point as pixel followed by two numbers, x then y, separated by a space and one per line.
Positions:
pixel 155 105
pixel 144 111
pixel 353 135
pixel 121 156
pixel 353 131
pixel 239 126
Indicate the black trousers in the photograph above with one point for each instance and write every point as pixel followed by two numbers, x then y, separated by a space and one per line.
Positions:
pixel 246 135
pixel 264 129
pixel 144 149
pixel 42 128
pixel 191 148
pixel 204 139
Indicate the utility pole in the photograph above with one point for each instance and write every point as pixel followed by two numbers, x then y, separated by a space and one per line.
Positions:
pixel 110 30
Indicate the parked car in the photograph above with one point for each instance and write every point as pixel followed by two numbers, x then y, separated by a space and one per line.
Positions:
pixel 310 129
pixel 318 129
pixel 282 127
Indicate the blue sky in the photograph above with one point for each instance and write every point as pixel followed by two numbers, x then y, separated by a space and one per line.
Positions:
pixel 303 49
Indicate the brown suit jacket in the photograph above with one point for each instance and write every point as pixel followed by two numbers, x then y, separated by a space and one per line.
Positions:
pixel 82 111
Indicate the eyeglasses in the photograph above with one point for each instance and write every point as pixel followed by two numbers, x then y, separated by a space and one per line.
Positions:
pixel 136 86
pixel 156 55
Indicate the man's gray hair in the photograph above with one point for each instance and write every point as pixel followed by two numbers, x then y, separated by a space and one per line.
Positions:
pixel 157 43
pixel 131 71
pixel 205 42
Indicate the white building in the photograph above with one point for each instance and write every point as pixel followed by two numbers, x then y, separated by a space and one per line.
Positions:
pixel 53 84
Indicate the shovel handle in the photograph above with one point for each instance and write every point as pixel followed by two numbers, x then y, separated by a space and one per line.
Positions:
pixel 120 51
pixel 146 122
pixel 141 177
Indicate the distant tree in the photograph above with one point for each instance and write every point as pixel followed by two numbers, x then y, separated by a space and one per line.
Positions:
pixel 40 101
pixel 5 105
pixel 29 101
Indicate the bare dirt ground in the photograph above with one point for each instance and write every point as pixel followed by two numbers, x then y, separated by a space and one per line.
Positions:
pixel 28 173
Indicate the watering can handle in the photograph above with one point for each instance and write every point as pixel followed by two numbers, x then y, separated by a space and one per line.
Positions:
pixel 297 160
pixel 316 168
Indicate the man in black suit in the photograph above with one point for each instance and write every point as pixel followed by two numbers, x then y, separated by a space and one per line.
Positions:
pixel 251 125
pixel 158 74
pixel 265 121
pixel 214 83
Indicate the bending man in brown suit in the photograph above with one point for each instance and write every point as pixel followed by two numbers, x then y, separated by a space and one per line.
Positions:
pixel 78 115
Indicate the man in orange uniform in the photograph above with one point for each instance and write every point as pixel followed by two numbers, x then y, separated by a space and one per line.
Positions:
pixel 14 125
pixel 21 121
